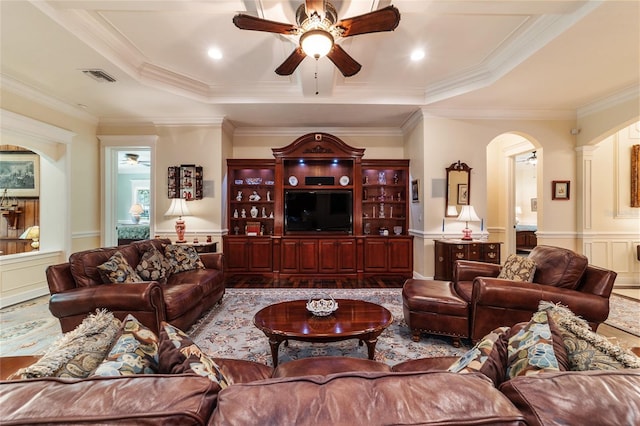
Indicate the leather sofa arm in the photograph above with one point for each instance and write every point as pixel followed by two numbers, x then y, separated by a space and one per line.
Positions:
pixel 467 270
pixel 524 296
pixel 213 260
pixel 133 297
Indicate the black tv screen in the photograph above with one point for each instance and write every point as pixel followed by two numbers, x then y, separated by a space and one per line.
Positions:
pixel 318 211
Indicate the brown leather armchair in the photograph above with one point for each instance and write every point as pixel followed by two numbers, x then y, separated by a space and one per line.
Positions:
pixel 562 276
pixel 477 302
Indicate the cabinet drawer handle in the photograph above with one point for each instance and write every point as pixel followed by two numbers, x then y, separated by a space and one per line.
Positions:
pixel 460 255
pixel 492 255
pixel 441 259
pixel 492 246
pixel 459 247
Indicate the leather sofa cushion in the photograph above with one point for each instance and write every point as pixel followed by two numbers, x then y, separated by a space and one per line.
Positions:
pixel 327 365
pixel 143 399
pixel 180 298
pixel 84 264
pixel 209 279
pixel 571 398
pixel 367 398
pixel 558 267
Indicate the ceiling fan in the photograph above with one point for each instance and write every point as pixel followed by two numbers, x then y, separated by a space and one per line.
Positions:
pixel 319 29
pixel 134 159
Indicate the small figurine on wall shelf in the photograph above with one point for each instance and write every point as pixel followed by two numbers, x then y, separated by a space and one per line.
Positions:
pixel 268 195
pixel 254 196
pixel 254 211
pixel 239 196
pixel 243 213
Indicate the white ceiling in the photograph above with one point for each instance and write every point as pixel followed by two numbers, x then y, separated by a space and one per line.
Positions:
pixel 540 59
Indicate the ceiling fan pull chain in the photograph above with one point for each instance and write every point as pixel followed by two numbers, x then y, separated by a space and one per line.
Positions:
pixel 316 76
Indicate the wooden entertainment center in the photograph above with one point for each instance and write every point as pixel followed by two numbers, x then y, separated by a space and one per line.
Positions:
pixel 318 210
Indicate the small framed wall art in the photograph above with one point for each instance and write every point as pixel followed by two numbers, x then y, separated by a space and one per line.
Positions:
pixel 415 191
pixel 560 189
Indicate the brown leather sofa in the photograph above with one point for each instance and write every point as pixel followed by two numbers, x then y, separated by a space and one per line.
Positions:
pixel 77 289
pixel 476 302
pixel 328 390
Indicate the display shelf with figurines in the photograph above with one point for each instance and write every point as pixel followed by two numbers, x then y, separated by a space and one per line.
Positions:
pixel 252 197
pixel 384 199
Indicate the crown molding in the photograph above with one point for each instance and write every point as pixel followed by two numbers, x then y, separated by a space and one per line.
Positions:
pixel 34 95
pixel 624 95
pixel 33 129
pixel 498 114
pixel 338 131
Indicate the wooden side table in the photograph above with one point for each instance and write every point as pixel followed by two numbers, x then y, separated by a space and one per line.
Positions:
pixel 203 247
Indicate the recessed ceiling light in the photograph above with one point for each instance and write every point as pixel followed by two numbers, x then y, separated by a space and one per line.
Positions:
pixel 214 53
pixel 417 55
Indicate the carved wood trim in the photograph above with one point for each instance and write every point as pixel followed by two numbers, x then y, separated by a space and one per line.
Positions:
pixel 635 176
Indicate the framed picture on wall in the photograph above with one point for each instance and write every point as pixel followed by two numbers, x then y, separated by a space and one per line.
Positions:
pixel 560 190
pixel 534 204
pixel 463 194
pixel 414 191
pixel 20 174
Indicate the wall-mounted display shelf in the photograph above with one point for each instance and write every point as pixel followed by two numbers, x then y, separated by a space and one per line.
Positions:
pixel 185 181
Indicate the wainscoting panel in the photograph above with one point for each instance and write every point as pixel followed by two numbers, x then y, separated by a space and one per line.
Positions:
pixel 615 253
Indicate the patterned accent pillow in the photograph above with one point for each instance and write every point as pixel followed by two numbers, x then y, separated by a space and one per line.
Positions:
pixel 118 270
pixel 530 351
pixel 587 350
pixel 153 266
pixel 77 353
pixel 134 352
pixel 182 258
pixel 488 356
pixel 179 354
pixel 518 268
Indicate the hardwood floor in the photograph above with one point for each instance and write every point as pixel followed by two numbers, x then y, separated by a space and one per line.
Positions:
pixel 249 281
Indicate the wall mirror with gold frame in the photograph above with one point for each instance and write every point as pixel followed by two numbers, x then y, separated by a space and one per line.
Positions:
pixel 458 191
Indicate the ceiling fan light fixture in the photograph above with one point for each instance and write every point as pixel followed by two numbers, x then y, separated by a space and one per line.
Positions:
pixel 316 43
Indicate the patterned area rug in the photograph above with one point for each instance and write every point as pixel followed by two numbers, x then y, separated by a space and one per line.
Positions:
pixel 227 330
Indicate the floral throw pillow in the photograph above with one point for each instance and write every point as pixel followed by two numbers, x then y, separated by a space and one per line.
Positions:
pixel 153 265
pixel 134 352
pixel 488 356
pixel 587 350
pixel 518 268
pixel 182 258
pixel 530 351
pixel 118 270
pixel 179 354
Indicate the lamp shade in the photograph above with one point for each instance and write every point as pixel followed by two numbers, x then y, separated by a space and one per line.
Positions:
pixel 178 207
pixel 32 232
pixel 518 210
pixel 316 43
pixel 468 214
pixel 136 209
pixel 452 210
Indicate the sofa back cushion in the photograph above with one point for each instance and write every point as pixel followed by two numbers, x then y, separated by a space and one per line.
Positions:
pixel 84 264
pixel 558 266
pixel 367 398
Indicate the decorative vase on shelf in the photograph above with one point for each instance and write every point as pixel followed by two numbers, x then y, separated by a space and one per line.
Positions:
pixel 254 211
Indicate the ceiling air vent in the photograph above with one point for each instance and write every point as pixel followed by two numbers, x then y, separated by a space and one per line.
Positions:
pixel 99 75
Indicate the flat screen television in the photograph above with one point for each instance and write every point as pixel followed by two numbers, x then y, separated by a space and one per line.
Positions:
pixel 318 211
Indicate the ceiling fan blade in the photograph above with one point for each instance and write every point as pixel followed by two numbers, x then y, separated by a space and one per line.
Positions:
pixel 345 63
pixel 386 19
pixel 291 63
pixel 248 22
pixel 314 6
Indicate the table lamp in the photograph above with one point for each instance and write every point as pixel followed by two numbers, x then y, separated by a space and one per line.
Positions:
pixel 468 214
pixel 136 210
pixel 32 233
pixel 179 208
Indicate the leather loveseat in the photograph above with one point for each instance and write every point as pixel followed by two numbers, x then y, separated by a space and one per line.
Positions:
pixel 77 289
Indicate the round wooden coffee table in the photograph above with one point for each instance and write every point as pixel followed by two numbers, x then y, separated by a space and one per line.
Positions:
pixel 354 319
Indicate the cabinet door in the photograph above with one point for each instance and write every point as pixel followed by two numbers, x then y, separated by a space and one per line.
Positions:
pixel 337 256
pixel 474 251
pixel 308 260
pixel 375 254
pixel 236 256
pixel 442 261
pixel 400 255
pixel 260 254
pixel 289 256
